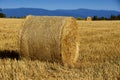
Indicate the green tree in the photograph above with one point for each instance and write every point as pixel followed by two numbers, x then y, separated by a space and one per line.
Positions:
pixel 118 17
pixel 102 18
pixel 79 18
pixel 95 18
pixel 23 17
pixel 2 15
pixel 113 17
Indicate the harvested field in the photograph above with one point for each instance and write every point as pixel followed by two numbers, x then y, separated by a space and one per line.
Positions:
pixel 99 40
pixel 9 30
pixel 99 55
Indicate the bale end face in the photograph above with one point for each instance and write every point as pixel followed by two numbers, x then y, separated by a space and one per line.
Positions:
pixel 69 42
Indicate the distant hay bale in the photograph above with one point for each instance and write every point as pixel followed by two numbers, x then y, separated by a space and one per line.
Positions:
pixel 89 18
pixel 53 39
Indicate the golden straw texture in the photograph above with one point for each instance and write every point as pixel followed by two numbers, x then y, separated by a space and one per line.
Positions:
pixel 53 39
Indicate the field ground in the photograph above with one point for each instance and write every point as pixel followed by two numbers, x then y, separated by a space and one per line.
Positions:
pixel 99 55
pixel 9 30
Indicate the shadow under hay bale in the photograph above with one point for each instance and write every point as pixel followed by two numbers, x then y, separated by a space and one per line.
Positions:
pixel 9 54
pixel 50 38
pixel 118 78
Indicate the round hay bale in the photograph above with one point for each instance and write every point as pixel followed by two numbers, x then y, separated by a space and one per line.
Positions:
pixel 53 39
pixel 89 18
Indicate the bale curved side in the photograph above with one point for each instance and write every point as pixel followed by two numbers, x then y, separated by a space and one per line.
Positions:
pixel 46 38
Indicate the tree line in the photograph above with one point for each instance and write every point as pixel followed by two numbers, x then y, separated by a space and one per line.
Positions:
pixel 112 17
pixel 4 16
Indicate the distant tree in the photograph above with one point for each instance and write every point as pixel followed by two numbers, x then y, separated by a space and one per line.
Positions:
pixel 79 18
pixel 2 15
pixel 113 17
pixel 12 17
pixel 102 18
pixel 94 18
pixel 118 17
pixel 106 18
pixel 23 17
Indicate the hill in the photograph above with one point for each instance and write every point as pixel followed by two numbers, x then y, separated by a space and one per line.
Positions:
pixel 18 12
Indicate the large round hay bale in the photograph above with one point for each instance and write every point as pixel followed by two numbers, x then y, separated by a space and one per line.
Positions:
pixel 53 39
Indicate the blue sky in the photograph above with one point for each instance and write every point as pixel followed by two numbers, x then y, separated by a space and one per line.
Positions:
pixel 62 4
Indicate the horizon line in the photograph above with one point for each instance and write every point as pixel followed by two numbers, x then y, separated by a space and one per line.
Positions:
pixel 61 8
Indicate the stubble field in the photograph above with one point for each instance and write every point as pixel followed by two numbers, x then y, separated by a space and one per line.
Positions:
pixel 99 55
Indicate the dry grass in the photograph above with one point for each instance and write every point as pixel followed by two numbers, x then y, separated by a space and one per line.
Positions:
pixel 9 29
pixel 99 56
pixel 99 40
